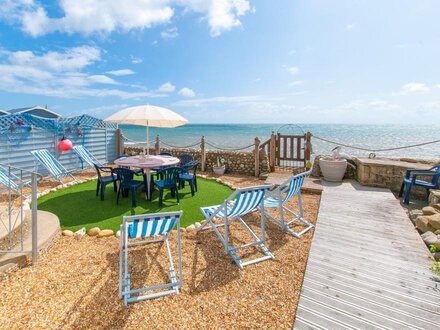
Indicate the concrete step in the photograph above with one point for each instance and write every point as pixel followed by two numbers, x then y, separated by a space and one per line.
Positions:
pixel 311 185
pixel 48 231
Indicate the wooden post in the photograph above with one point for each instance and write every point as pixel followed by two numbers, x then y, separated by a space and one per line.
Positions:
pixel 257 157
pixel 308 147
pixel 203 154
pixel 157 145
pixel 272 147
pixel 119 142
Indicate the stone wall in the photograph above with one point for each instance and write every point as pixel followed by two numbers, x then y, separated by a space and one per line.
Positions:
pixel 236 162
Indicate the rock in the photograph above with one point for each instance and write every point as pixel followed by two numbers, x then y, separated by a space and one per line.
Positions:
pixel 118 233
pixel 434 220
pixel 434 197
pixel 436 256
pixel 183 230
pixel 80 233
pixel 422 224
pixel 429 238
pixel 106 233
pixel 436 206
pixel 437 244
pixel 68 233
pixel 429 210
pixel 191 228
pixel 437 232
pixel 198 225
pixel 94 231
pixel 413 214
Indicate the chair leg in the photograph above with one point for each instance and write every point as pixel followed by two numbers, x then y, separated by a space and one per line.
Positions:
pixel 119 193
pixel 177 194
pixel 102 190
pixel 195 183
pixel 115 186
pixel 402 188
pixel 191 183
pixel 407 194
pixel 160 196
pixel 97 187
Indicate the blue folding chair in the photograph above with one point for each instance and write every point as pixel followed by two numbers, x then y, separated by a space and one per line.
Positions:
pixel 85 156
pixel 148 227
pixel 11 181
pixel 241 202
pixel 52 165
pixel 411 179
pixel 278 198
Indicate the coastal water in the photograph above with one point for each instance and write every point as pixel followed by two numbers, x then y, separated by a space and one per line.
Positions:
pixel 364 136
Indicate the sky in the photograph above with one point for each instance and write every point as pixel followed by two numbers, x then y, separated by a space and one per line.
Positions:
pixel 226 61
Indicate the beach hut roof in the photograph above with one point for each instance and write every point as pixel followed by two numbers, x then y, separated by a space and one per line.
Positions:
pixel 36 111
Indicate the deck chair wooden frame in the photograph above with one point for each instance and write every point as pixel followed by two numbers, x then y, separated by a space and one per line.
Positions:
pixel 241 202
pixel 52 165
pixel 85 156
pixel 278 198
pixel 144 229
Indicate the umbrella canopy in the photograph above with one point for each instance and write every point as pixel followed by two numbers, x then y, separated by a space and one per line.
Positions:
pixel 148 115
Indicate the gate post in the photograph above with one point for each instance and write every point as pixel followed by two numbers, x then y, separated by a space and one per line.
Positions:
pixel 257 157
pixel 203 154
pixel 119 142
pixel 157 145
pixel 272 152
pixel 308 147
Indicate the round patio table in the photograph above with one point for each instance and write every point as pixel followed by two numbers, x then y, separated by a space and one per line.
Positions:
pixel 147 164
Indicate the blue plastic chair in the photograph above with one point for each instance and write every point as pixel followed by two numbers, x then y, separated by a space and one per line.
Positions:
pixel 168 180
pixel 188 174
pixel 411 179
pixel 104 180
pixel 185 159
pixel 127 183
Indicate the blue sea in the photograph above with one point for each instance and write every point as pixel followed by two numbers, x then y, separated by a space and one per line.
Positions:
pixel 364 136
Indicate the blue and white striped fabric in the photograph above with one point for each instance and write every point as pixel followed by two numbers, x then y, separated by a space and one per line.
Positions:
pixel 247 201
pixel 146 227
pixel 86 156
pixel 50 163
pixel 295 185
pixel 8 179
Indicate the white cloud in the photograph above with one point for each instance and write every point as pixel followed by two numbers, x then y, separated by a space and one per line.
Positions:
pixel 101 79
pixel 292 52
pixel 60 74
pixel 187 92
pixel 106 16
pixel 166 88
pixel 415 88
pixel 169 33
pixel 136 60
pixel 291 69
pixel 122 72
pixel 350 26
pixel 226 100
pixel 296 83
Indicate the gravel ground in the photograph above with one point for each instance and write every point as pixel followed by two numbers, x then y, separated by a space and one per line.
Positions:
pixel 75 284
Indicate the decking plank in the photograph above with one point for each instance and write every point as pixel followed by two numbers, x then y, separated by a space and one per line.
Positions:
pixel 368 267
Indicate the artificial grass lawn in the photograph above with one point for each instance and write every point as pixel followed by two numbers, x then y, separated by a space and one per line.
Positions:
pixel 78 206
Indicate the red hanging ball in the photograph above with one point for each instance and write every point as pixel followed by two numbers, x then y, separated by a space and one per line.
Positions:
pixel 65 144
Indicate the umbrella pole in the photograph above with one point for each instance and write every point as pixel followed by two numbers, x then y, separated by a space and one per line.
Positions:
pixel 148 142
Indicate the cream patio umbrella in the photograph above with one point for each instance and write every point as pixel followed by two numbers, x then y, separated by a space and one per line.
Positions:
pixel 149 116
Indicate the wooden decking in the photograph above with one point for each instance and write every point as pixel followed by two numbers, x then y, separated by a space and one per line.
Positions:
pixel 368 268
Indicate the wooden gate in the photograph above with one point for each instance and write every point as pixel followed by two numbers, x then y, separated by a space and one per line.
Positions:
pixel 288 152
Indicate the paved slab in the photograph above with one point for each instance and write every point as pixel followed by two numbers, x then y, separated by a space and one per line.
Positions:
pixel 312 185
pixel 368 267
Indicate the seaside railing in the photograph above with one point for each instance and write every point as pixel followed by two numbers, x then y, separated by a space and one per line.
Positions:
pixel 290 152
pixel 18 212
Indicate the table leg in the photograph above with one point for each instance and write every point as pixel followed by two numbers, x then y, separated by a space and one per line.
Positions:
pixel 148 176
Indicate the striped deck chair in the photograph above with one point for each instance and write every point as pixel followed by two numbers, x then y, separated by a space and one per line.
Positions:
pixel 45 158
pixel 11 181
pixel 241 202
pixel 144 229
pixel 85 156
pixel 277 199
